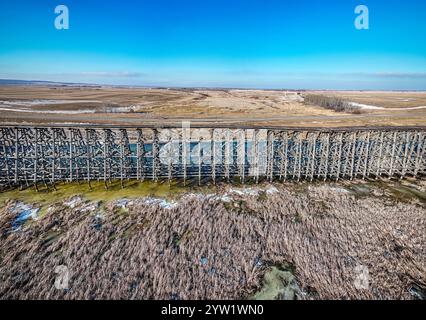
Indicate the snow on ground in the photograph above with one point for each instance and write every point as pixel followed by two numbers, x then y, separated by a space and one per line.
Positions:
pixel 30 106
pixel 42 102
pixel 73 202
pixel 371 107
pixel 245 191
pixel 163 203
pixel 24 212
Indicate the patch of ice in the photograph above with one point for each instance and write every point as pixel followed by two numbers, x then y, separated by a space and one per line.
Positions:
pixel 245 191
pixel 123 203
pixel 92 206
pixel 24 212
pixel 199 196
pixel 366 106
pixel 15 109
pixel 371 107
pixel 31 105
pixel 258 262
pixel 225 198
pixel 328 188
pixel 167 205
pixel 97 221
pixel 73 202
pixel 50 210
pixel 407 99
pixel 341 190
pixel 161 202
pixel 42 102
pixel 272 190
pixel 239 192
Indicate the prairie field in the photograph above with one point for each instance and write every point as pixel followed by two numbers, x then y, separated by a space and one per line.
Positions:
pixel 135 106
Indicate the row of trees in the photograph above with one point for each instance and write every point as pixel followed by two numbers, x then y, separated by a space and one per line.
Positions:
pixel 333 103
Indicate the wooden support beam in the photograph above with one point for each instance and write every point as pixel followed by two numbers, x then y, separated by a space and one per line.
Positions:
pixel 213 154
pixel 156 156
pixel 313 156
pixel 88 156
pixel 380 157
pixel 140 156
pixel 326 154
pixel 366 157
pixel 339 155
pixel 300 158
pixel 255 161
pixel 227 154
pixel 408 150
pixel 53 158
pixel 17 146
pixel 270 155
pixel 122 159
pixel 353 152
pixel 283 151
pixel 105 157
pixel 35 144
pixel 242 155
pixel 392 160
pixel 420 154
pixel 200 160
pixel 6 157
pixel 70 164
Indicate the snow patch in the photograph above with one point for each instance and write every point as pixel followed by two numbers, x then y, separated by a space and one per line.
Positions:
pixel 371 107
pixel 47 111
pixel 123 203
pixel 245 191
pixel 92 206
pixel 23 212
pixel 73 202
pixel 272 190
pixel 42 102
pixel 161 202
pixel 224 198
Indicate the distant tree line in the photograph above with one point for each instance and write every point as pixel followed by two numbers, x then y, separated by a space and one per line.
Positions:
pixel 333 103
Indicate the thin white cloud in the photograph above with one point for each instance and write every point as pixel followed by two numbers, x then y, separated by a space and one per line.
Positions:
pixel 115 74
pixel 409 75
pixel 83 74
pixel 389 75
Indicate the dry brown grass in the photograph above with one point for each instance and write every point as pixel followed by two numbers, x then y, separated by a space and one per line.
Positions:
pixel 202 106
pixel 147 252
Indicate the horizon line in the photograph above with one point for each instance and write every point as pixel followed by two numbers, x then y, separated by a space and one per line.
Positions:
pixel 3 82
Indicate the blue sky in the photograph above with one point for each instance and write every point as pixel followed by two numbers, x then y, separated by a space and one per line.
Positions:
pixel 220 43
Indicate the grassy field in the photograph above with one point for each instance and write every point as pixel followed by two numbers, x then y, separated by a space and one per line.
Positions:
pixel 134 106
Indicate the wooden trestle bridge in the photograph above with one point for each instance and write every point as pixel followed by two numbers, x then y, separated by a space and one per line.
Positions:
pixel 37 154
